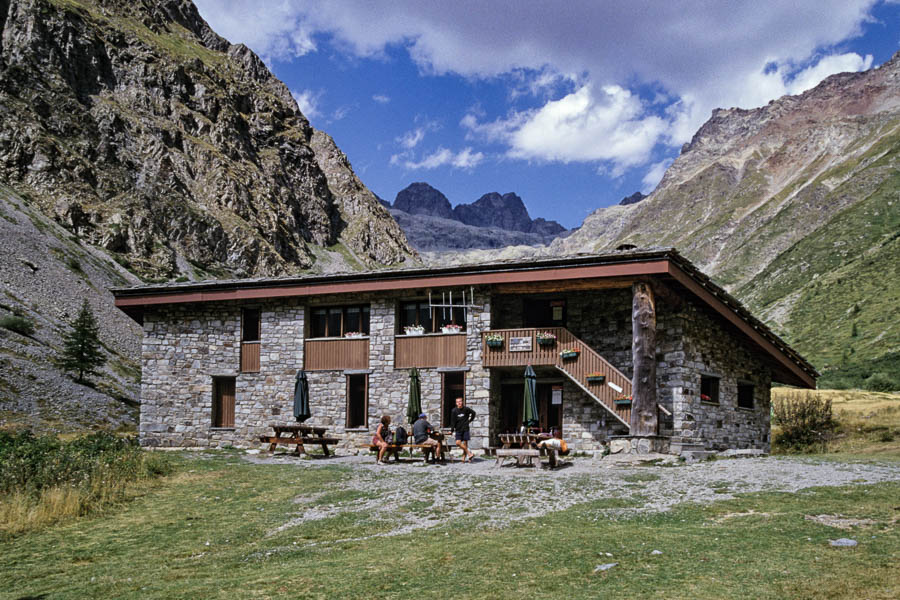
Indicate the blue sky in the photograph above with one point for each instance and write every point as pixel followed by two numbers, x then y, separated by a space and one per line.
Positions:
pixel 572 105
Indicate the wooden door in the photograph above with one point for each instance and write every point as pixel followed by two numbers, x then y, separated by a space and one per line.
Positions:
pixel 223 402
pixel 550 415
pixel 511 397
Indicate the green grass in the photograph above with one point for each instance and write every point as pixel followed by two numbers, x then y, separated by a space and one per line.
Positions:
pixel 215 531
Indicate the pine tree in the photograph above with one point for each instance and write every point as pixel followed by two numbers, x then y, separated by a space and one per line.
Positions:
pixel 81 351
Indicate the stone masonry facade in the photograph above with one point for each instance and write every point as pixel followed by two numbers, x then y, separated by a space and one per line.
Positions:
pixel 185 347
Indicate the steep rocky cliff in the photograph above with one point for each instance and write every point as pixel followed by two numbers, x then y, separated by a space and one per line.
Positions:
pixel 137 143
pixel 493 221
pixel 142 131
pixel 795 208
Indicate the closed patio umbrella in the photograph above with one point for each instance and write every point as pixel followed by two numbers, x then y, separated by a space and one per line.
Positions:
pixel 414 407
pixel 301 398
pixel 530 411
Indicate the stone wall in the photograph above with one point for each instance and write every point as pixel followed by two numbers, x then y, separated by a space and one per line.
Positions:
pixel 691 341
pixel 186 346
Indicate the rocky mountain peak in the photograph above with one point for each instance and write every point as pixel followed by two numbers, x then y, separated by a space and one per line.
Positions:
pixel 505 211
pixel 419 198
pixel 137 127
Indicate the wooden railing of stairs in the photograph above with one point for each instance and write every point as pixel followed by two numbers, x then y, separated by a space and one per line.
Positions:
pixel 514 353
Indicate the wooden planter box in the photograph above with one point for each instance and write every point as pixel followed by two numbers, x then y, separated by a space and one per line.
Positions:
pixel 622 402
pixel 596 378
pixel 568 355
pixel 546 342
pixel 495 343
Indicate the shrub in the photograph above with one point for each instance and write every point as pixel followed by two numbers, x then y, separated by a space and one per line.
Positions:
pixel 881 382
pixel 805 420
pixel 43 480
pixel 18 324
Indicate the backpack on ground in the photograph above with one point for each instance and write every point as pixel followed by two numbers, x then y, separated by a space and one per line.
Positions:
pixel 400 436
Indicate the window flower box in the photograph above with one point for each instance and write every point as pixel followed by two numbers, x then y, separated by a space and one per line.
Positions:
pixel 569 353
pixel 414 330
pixel 545 338
pixel 622 401
pixel 494 340
pixel 354 334
pixel 451 329
pixel 596 377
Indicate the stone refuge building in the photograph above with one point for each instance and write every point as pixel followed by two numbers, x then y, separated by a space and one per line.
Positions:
pixel 219 358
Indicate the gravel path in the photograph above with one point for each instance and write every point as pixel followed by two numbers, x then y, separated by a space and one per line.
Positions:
pixel 414 496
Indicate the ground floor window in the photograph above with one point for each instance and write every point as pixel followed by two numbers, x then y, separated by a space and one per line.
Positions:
pixel 453 386
pixel 223 402
pixel 745 395
pixel 357 401
pixel 709 389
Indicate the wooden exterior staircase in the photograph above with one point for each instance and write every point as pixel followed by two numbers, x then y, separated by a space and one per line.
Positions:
pixel 517 351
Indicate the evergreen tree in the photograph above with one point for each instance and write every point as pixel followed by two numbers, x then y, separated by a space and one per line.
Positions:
pixel 81 352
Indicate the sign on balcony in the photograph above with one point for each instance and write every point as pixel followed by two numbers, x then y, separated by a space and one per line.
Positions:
pixel 520 344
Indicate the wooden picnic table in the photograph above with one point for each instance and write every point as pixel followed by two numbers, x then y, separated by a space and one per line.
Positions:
pixel 296 434
pixel 522 447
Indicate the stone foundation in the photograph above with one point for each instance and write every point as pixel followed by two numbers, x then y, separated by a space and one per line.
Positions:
pixel 627 444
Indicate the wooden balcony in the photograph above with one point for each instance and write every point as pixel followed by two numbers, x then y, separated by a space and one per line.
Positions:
pixel 520 347
pixel 331 354
pixel 432 350
pixel 249 357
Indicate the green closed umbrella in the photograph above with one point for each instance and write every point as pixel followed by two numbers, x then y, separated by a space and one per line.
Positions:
pixel 301 398
pixel 530 412
pixel 414 407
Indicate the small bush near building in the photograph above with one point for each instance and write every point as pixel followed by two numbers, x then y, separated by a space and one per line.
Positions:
pixel 18 324
pixel 805 422
pixel 881 382
pixel 43 480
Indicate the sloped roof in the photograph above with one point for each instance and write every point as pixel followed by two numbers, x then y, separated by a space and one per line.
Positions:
pixel 791 368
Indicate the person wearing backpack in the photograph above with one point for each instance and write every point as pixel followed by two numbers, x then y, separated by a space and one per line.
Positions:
pixel 382 438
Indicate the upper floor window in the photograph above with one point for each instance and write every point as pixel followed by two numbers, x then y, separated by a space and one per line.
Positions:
pixel 432 319
pixel 337 321
pixel 250 322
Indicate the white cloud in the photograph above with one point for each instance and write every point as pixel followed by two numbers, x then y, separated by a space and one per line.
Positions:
pixel 381 98
pixel 701 54
pixel 280 31
pixel 464 159
pixel 308 101
pixel 587 125
pixel 654 175
pixel 411 139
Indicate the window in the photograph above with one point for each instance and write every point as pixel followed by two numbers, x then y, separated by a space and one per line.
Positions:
pixel 357 401
pixel 250 325
pixel 453 386
pixel 223 402
pixel 431 318
pixel 709 389
pixel 336 321
pixel 745 395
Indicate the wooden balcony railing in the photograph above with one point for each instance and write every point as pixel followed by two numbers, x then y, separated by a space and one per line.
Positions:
pixel 520 347
pixel 249 357
pixel 336 354
pixel 433 350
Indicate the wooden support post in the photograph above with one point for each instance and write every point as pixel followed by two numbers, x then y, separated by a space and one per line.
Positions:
pixel 643 353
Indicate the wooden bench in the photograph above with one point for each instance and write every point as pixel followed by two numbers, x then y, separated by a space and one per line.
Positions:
pixel 396 449
pixel 299 442
pixel 523 455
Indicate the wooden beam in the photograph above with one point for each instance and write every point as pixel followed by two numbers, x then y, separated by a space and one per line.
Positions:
pixel 563 286
pixel 643 354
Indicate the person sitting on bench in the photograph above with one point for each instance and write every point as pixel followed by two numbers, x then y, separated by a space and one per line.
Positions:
pixel 556 443
pixel 425 435
pixel 382 435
